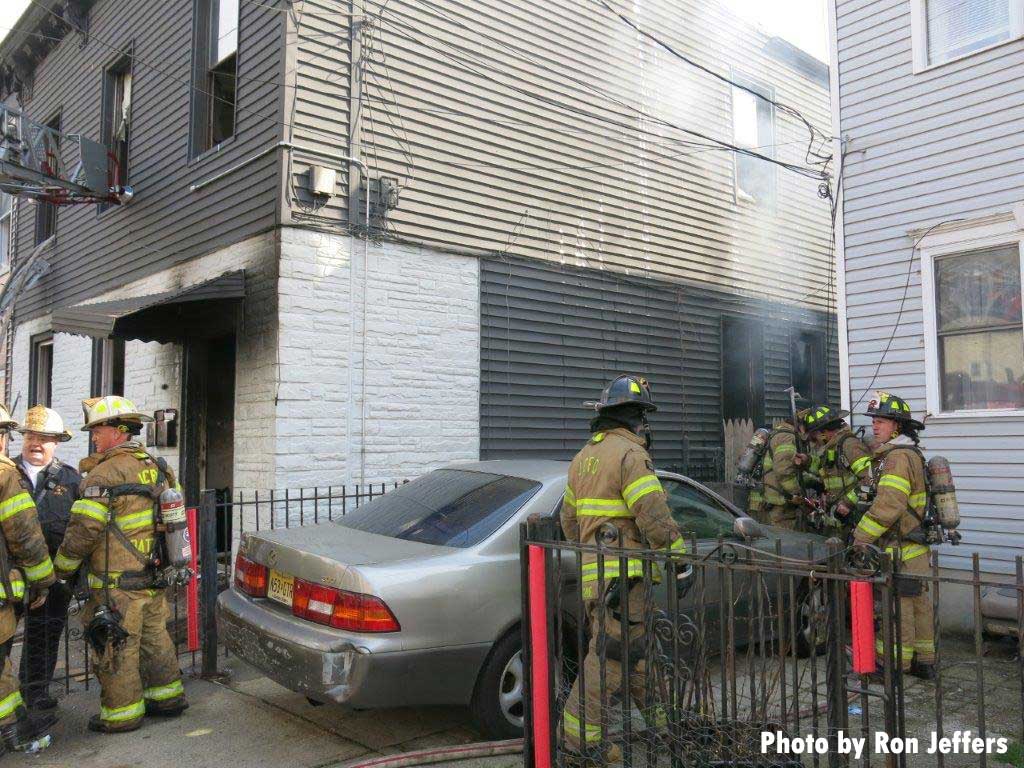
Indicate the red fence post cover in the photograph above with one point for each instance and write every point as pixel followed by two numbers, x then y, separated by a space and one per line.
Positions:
pixel 541 704
pixel 862 622
pixel 192 591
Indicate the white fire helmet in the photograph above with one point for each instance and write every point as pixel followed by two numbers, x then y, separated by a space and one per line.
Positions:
pixel 101 410
pixel 45 421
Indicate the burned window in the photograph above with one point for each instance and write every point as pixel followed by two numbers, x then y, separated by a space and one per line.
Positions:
pixel 808 365
pixel 215 61
pixel 117 105
pixel 742 370
pixel 46 213
pixel 979 329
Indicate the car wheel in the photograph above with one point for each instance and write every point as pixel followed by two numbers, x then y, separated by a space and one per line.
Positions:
pixel 498 699
pixel 812 621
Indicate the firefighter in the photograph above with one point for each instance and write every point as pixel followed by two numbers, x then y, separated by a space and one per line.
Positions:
pixel 24 565
pixel 779 501
pixel 895 521
pixel 612 487
pixel 842 462
pixel 54 488
pixel 113 532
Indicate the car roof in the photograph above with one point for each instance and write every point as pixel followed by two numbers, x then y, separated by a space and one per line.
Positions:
pixel 541 470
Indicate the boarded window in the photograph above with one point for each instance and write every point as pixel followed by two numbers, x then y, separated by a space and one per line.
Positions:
pixel 980 342
pixel 956 28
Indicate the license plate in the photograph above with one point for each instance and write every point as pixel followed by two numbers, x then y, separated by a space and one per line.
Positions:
pixel 280 587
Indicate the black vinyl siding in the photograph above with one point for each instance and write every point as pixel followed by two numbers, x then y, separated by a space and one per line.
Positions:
pixel 165 224
pixel 552 336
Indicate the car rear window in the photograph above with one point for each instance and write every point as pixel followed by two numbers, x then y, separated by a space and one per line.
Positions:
pixel 448 507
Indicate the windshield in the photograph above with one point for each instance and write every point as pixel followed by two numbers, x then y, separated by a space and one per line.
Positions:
pixel 449 507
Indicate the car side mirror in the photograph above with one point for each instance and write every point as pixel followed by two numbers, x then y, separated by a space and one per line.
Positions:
pixel 748 529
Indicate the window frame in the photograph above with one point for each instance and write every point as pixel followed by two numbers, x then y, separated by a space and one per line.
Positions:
pixel 5 258
pixel 108 355
pixel 767 94
pixel 54 123
pixel 1003 230
pixel 200 144
pixel 123 64
pixel 37 342
pixel 919 35
pixel 796 335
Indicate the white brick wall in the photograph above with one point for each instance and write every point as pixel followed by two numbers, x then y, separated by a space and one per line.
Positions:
pixel 421 347
pixel 152 380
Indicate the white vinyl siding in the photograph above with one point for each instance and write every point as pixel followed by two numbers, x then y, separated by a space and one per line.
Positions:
pixel 923 149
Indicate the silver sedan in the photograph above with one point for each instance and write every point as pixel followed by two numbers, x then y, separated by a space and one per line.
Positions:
pixel 414 598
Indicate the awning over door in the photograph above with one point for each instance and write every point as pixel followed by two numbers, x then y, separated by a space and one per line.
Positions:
pixel 202 311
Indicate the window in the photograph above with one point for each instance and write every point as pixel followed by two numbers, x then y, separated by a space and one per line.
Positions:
pixel 6 229
pixel 46 213
pixel 215 67
pixel 944 30
pixel 40 386
pixel 448 507
pixel 697 514
pixel 753 127
pixel 107 367
pixel 807 365
pixel 978 327
pixel 742 371
pixel 117 105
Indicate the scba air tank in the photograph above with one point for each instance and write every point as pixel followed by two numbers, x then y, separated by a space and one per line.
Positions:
pixel 175 520
pixel 940 485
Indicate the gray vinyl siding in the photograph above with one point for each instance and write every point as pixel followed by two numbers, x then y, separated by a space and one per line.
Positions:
pixel 165 223
pixel 475 109
pixel 923 149
pixel 540 360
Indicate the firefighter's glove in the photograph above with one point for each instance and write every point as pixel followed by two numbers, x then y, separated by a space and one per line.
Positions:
pixel 842 509
pixel 37 596
pixel 801 459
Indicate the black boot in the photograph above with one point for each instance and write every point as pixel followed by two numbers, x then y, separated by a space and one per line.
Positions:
pixel 167 709
pixel 925 672
pixel 41 701
pixel 98 725
pixel 28 733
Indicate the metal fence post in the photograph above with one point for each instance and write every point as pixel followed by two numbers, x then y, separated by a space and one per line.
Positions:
pixel 208 580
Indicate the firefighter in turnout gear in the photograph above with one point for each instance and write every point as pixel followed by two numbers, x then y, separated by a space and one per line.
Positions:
pixel 113 530
pixel 842 462
pixel 25 574
pixel 612 487
pixel 779 500
pixel 895 522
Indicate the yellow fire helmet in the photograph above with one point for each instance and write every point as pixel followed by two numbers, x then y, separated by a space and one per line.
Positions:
pixel 6 422
pixel 101 410
pixel 45 421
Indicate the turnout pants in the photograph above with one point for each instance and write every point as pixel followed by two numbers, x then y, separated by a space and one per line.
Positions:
pixel 43 630
pixel 10 695
pixel 585 730
pixel 144 674
pixel 782 516
pixel 917 614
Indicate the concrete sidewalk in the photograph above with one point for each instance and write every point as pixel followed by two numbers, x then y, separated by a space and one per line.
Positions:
pixel 251 721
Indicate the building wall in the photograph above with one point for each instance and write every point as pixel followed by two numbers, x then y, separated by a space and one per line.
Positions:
pixel 414 320
pixel 529 141
pixel 923 149
pixel 165 223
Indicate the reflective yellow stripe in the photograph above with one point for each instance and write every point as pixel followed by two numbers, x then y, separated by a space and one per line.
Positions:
pixel 40 571
pixel 569 497
pixel 905 652
pixel 908 551
pixel 602 508
pixel 65 563
pixel 870 527
pixel 678 545
pixel 17 503
pixel 571 724
pixel 851 495
pixel 640 488
pixel 164 692
pixel 10 703
pixel 833 483
pixel 97 583
pixel 860 464
pixel 919 500
pixel 135 521
pixel 598 437
pixel 784 449
pixel 895 481
pixel 634 569
pixel 928 646
pixel 120 714
pixel 92 509
pixel 17 588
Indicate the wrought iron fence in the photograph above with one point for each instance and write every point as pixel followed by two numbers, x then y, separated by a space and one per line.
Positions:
pixel 221 520
pixel 745 653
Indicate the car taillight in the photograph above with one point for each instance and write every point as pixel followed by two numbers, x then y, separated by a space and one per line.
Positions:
pixel 342 610
pixel 250 577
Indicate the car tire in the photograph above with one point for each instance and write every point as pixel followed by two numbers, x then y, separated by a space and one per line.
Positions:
pixel 498 697
pixel 810 608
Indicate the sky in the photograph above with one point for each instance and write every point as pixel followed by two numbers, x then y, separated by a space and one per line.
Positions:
pixel 801 22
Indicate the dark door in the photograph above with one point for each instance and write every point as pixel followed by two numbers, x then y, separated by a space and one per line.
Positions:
pixel 742 370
